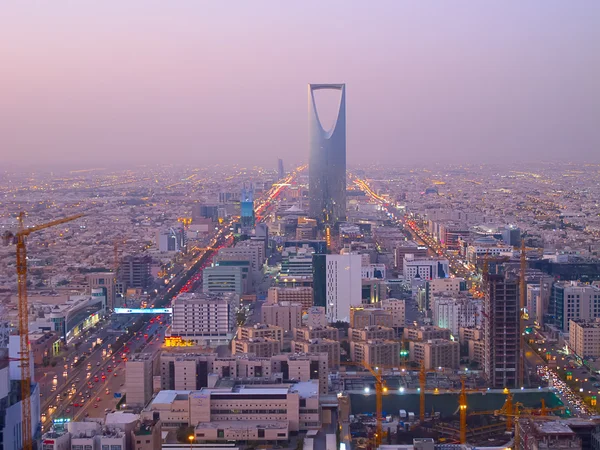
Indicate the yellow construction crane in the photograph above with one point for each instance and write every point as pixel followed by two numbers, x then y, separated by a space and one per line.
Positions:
pixel 24 321
pixel 422 385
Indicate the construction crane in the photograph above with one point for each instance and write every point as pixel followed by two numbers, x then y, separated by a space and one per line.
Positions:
pixel 422 385
pixel 24 320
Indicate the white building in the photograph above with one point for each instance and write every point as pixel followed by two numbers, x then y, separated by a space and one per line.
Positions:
pixel 425 268
pixel 219 279
pixel 454 312
pixel 343 287
pixel 170 239
pixel 205 319
pixel 370 271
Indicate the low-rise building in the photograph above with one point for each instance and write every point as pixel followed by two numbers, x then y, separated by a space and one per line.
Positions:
pixel 332 348
pixel 426 333
pixel 301 294
pixel 308 333
pixel 397 309
pixel 147 435
pixel 376 352
pixel 584 338
pixel 261 347
pixel 286 315
pixel 260 330
pixel 371 333
pixel 435 353
pixel 364 317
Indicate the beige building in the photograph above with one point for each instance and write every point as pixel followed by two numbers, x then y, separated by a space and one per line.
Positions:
pixel 371 333
pixel 308 333
pixel 377 352
pixel 476 351
pixel 286 315
pixel 139 375
pixel 261 347
pixel 470 334
pixel 241 412
pixel 584 338
pixel 332 348
pixel 397 309
pixel 425 333
pixel 303 367
pixel 364 317
pixel 435 353
pixel 260 330
pixel 302 295
pixel 147 435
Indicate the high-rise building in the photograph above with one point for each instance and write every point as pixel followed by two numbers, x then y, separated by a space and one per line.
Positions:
pixel 247 217
pixel 139 372
pixel 134 271
pixel 327 160
pixel 501 330
pixel 280 171
pixel 570 300
pixel 343 288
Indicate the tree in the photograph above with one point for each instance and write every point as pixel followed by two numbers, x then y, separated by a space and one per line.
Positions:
pixel 183 433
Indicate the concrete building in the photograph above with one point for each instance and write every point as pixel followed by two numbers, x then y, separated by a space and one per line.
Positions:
pixel 426 333
pixel 376 352
pixel 56 440
pixel 241 412
pixel 106 282
pixel 435 353
pixel 135 271
pixel 139 371
pixel 205 319
pixel 571 300
pixel 454 311
pixel 332 348
pixel 374 290
pixel 407 247
pixel 286 315
pixel 315 317
pixel 308 333
pixel 584 338
pixel 260 330
pixel 302 295
pixel 260 346
pixel 501 331
pixel 244 251
pixel 470 334
pixel 343 286
pixel 425 268
pixel 476 351
pixel 147 435
pixel 397 309
pixel 327 160
pixel 539 434
pixel 371 333
pixel 303 367
pixel 220 279
pixel 441 285
pixel 365 317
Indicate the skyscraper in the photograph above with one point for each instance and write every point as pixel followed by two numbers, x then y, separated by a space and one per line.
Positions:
pixel 501 330
pixel 327 160
pixel 280 171
pixel 247 209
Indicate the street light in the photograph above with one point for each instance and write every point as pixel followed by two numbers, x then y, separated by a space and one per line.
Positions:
pixel 191 438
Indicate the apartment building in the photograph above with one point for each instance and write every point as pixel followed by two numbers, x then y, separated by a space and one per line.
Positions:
pixel 435 353
pixel 470 334
pixel 260 330
pixel 308 333
pixel 571 300
pixel 260 346
pixel 426 333
pixel 139 371
pixel 584 338
pixel 371 333
pixel 302 295
pixel 364 317
pixel 286 315
pixel 397 309
pixel 332 348
pixel 376 352
pixel 454 311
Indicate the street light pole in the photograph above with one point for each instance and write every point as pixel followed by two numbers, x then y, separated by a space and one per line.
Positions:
pixel 191 438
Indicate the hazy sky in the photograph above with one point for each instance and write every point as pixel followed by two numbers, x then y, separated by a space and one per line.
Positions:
pixel 120 81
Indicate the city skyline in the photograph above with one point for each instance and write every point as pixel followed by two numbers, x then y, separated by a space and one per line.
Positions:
pixel 478 82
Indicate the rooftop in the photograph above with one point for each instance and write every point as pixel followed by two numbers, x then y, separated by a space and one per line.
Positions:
pixel 243 425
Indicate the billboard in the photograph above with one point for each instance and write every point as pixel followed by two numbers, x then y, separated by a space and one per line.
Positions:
pixel 143 310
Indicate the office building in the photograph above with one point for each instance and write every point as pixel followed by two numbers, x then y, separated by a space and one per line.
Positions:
pixel 286 315
pixel 200 212
pixel 205 319
pixel 543 434
pixel 365 317
pixel 332 348
pixel 435 353
pixel 171 239
pixel 147 435
pixel 454 311
pixel 139 371
pixel 296 262
pixel 135 271
pixel 425 268
pixel 501 331
pixel 315 317
pixel 302 295
pixel 511 235
pixel 397 309
pixel 571 300
pixel 260 346
pixel 106 282
pixel 373 291
pixel 376 352
pixel 327 160
pixel 584 338
pixel 247 217
pixel 342 285
pixel 371 333
pixel 240 412
pixel 221 278
pixel 407 247
pixel 308 333
pixel 426 333
pixel 244 251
